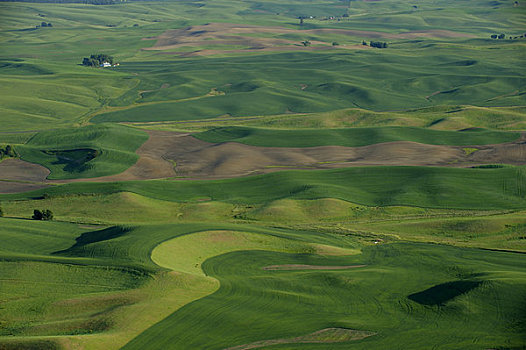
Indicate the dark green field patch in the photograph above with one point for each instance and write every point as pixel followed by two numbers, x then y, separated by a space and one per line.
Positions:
pixel 20 68
pixel 74 160
pixel 352 137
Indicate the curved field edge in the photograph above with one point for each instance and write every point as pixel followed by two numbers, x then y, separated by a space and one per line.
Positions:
pixel 269 304
pixel 85 152
pixel 353 137
pixel 161 294
pixel 432 187
pixel 185 254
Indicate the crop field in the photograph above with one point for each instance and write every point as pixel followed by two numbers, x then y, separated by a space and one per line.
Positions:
pixel 262 174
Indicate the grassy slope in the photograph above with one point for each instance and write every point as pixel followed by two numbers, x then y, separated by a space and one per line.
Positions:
pixel 414 186
pixel 275 305
pixel 317 82
pixel 439 118
pixel 502 275
pixel 118 253
pixel 352 137
pixel 502 229
pixel 114 145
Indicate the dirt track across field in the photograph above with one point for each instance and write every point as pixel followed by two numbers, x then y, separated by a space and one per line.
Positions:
pixel 327 335
pixel 169 154
pixel 309 267
pixel 242 35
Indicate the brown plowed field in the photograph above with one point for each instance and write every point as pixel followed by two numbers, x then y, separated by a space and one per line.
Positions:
pixel 28 176
pixel 229 34
pixel 200 159
pixel 196 159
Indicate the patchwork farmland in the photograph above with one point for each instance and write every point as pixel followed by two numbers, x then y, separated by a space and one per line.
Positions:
pixel 262 174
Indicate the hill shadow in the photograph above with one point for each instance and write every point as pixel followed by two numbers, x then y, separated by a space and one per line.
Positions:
pixel 442 293
pixel 93 237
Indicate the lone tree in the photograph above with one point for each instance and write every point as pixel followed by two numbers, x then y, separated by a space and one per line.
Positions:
pixel 306 43
pixel 7 151
pixel 44 215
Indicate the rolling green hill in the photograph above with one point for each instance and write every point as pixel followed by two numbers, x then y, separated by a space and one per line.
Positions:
pixel 267 305
pixel 352 137
pixel 414 186
pixel 350 258
pixel 90 151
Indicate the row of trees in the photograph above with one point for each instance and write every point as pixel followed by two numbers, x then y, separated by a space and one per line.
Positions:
pixel 96 60
pixel 378 44
pixel 44 24
pixel 503 36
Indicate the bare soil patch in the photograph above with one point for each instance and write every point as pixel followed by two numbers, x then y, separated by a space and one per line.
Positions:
pixel 244 35
pixel 509 153
pixel 19 170
pixel 168 154
pixel 199 159
pixel 327 335
pixel 151 163
pixel 196 159
pixel 310 267
pixel 19 176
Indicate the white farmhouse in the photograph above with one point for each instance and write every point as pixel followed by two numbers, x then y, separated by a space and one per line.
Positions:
pixel 105 64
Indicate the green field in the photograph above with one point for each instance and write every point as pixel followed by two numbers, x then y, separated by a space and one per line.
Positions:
pixel 363 257
pixel 352 137
pixel 91 151
pixel 44 86
pixel 414 186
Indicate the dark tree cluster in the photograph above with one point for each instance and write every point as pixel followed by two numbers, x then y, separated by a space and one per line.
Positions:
pixel 7 151
pixel 96 60
pixel 44 215
pixel 378 44
pixel 1 212
pixel 503 36
pixel 44 24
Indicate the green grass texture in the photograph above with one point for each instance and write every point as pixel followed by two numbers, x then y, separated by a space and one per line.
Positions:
pixel 434 187
pixel 265 305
